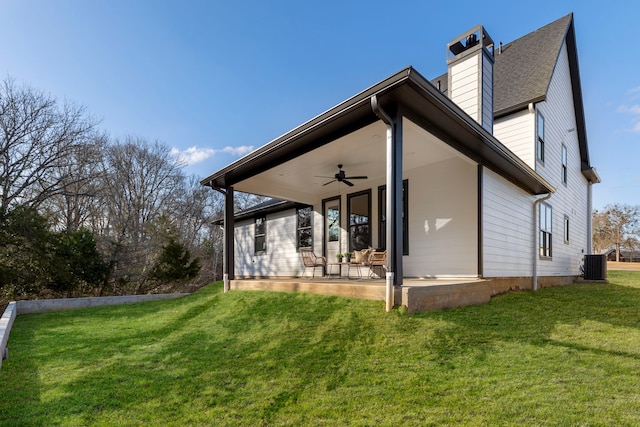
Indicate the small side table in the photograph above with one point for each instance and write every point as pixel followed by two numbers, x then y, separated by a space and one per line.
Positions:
pixel 349 265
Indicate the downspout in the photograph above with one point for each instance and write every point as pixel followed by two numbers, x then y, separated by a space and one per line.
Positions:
pixel 382 115
pixel 535 239
pixel 589 218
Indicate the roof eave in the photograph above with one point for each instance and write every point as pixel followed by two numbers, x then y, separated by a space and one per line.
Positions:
pixel 253 212
pixel 452 124
pixel 574 72
pixel 498 157
pixel 591 175
pixel 518 107
pixel 224 178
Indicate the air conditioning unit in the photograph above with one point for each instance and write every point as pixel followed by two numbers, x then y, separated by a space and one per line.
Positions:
pixel 595 267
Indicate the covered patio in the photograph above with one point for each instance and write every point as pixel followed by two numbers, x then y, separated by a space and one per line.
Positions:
pixel 401 129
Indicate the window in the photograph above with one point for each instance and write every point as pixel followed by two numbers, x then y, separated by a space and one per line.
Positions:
pixel 566 229
pixel 305 234
pixel 540 147
pixel 359 211
pixel 382 212
pixel 260 235
pixel 564 164
pixel 546 231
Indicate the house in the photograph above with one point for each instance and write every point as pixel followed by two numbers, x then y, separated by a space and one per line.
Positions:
pixel 483 172
pixel 625 256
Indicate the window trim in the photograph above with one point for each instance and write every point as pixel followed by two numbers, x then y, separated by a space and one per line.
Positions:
pixel 540 140
pixel 566 229
pixel 257 251
pixel 382 232
pixel 298 227
pixel 564 161
pixel 545 236
pixel 325 225
pixel 349 197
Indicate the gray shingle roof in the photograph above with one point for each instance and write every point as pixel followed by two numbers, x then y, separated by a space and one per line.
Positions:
pixel 522 72
pixel 268 206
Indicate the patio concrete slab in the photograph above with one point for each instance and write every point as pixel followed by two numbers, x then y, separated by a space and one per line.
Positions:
pixel 415 294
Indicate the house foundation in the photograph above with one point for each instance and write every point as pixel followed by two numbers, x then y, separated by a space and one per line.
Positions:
pixel 416 295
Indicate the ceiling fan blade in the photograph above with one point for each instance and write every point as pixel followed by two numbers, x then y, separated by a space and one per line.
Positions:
pixel 327 183
pixel 350 184
pixel 356 177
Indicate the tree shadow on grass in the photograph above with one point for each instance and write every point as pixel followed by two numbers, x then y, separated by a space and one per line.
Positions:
pixel 257 354
pixel 103 352
pixel 206 354
pixel 534 317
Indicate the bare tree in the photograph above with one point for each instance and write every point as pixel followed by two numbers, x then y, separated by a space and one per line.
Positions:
pixel 38 137
pixel 195 207
pixel 244 201
pixel 81 190
pixel 140 181
pixel 614 226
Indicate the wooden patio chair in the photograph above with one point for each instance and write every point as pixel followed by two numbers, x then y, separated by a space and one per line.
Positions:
pixel 377 260
pixel 311 260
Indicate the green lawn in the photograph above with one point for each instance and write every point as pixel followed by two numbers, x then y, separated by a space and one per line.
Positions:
pixel 560 356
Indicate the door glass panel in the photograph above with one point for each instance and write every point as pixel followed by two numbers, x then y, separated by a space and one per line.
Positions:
pixel 359 218
pixel 333 223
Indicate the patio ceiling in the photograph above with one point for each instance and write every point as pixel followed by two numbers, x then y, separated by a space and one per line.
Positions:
pixel 350 134
pixel 362 152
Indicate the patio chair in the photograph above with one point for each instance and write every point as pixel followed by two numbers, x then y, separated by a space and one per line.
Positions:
pixel 311 260
pixel 377 260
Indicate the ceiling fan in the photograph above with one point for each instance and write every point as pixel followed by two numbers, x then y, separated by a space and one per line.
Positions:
pixel 341 176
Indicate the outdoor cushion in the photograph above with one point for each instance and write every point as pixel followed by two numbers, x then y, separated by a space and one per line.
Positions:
pixel 361 256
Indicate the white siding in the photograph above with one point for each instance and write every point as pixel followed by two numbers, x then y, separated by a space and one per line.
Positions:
pixel 487 93
pixel 517 133
pixel 443 226
pixel 464 85
pixel 570 199
pixel 281 258
pixel 443 198
pixel 507 213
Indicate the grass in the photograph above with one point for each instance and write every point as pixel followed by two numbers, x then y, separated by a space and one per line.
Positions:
pixel 560 356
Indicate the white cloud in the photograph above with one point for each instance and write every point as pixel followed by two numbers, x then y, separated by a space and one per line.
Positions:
pixel 635 92
pixel 634 111
pixel 193 155
pixel 238 151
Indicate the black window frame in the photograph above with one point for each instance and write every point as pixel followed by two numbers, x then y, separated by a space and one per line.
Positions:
pixel 262 235
pixel 301 228
pixel 351 226
pixel 382 203
pixel 540 138
pixel 545 227
pixel 564 161
pixel 566 229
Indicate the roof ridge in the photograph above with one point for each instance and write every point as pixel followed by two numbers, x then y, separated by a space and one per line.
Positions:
pixel 524 67
pixel 569 17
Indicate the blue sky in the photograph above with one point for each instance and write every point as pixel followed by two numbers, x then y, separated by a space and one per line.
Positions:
pixel 215 79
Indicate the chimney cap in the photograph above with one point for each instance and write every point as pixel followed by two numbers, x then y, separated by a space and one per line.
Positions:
pixel 477 37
